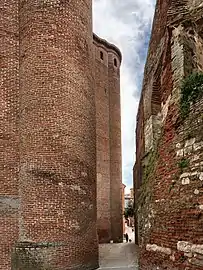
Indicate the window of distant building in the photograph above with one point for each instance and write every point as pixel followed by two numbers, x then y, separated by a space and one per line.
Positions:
pixel 101 55
pixel 115 62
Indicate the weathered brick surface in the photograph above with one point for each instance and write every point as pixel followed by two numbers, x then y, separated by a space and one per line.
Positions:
pixel 115 146
pixel 9 158
pixel 107 93
pixel 54 135
pixel 57 132
pixel 169 206
pixel 48 136
pixel 175 211
pixel 137 172
pixel 103 145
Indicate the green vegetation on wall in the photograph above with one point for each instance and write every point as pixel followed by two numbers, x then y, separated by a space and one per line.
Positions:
pixel 148 171
pixel 191 90
pixel 129 210
pixel 149 168
pixel 183 163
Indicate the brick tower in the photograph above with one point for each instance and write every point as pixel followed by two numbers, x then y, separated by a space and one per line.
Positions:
pixel 57 224
pixel 48 137
pixel 9 158
pixel 107 92
pixel 115 146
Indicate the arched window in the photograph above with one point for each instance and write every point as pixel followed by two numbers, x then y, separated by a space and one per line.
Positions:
pixel 101 55
pixel 115 62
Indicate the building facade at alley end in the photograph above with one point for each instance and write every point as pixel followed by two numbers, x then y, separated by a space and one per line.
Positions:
pixel 60 137
pixel 168 173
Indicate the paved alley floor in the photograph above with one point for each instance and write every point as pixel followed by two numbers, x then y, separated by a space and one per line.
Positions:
pixel 118 256
pixel 122 256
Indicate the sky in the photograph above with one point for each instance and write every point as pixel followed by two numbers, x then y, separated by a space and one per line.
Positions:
pixel 127 24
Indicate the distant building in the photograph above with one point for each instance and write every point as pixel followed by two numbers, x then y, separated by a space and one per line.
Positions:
pixel 132 193
pixel 128 200
pixel 123 205
pixel 123 196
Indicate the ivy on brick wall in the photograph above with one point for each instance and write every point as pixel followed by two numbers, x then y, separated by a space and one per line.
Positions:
pixel 191 90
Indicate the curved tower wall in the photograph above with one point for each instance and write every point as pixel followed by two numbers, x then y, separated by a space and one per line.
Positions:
pixel 103 144
pixel 107 93
pixel 58 155
pixel 115 146
pixel 9 158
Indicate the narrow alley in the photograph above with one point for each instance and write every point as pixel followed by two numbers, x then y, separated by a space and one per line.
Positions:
pixel 120 256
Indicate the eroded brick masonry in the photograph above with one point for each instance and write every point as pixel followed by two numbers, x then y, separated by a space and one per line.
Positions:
pixel 59 136
pixel 168 173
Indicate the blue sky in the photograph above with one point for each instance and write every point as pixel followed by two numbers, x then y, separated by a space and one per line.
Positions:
pixel 127 24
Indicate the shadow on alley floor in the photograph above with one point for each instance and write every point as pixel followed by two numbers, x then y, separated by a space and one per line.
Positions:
pixel 120 256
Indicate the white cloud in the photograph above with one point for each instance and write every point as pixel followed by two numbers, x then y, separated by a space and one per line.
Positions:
pixel 126 23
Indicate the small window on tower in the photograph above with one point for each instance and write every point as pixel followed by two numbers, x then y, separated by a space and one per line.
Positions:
pixel 115 62
pixel 102 55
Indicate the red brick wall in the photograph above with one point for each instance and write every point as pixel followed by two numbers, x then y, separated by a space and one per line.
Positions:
pixel 169 206
pixel 149 99
pixel 9 158
pixel 58 142
pixel 154 59
pixel 103 144
pixel 109 192
pixel 137 172
pixel 176 203
pixel 49 44
pixel 115 148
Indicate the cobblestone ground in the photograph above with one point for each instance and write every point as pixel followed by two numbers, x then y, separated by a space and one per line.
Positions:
pixel 122 256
